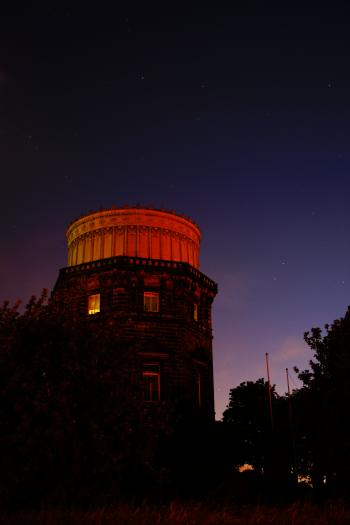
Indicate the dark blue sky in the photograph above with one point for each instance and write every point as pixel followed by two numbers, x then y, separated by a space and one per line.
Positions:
pixel 237 117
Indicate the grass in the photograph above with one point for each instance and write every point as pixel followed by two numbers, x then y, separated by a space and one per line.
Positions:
pixel 335 513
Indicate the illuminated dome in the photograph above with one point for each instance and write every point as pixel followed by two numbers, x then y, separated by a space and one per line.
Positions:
pixel 133 232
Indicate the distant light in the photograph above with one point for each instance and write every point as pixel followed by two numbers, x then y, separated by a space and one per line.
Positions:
pixel 244 467
pixel 305 479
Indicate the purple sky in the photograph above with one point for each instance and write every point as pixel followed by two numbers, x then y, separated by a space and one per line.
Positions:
pixel 238 118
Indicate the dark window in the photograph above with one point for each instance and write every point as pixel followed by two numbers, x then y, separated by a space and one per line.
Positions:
pixel 151 382
pixel 120 298
pixel 151 301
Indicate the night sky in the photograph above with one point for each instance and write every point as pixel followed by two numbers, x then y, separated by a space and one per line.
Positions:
pixel 239 118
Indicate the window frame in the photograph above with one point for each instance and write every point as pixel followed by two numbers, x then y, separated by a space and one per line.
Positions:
pixel 94 304
pixel 149 373
pixel 148 297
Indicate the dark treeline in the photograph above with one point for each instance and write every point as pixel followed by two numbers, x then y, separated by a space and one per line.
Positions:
pixel 307 443
pixel 72 432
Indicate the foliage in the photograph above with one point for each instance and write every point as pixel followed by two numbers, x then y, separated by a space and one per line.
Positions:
pixel 72 428
pixel 311 431
pixel 324 404
pixel 248 415
pixel 257 439
pixel 69 418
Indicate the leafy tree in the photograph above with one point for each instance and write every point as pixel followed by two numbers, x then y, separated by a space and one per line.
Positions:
pixel 70 422
pixel 248 415
pixel 255 438
pixel 326 399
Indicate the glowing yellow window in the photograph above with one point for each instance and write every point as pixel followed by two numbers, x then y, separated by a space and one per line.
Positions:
pixel 151 302
pixel 195 311
pixel 94 304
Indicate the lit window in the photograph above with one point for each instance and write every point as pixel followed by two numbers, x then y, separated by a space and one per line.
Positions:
pixel 195 311
pixel 151 302
pixel 151 383
pixel 94 304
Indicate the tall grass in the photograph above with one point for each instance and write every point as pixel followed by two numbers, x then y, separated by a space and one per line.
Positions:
pixel 336 513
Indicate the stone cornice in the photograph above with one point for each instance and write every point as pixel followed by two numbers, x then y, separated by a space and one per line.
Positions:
pixel 146 217
pixel 138 263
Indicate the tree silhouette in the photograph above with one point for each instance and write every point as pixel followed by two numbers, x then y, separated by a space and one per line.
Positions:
pixel 73 426
pixel 70 416
pixel 325 397
pixel 248 415
pixel 255 439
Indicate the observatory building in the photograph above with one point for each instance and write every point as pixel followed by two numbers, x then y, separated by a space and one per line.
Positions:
pixel 138 268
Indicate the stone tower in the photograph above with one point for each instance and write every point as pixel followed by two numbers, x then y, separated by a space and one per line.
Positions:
pixel 138 268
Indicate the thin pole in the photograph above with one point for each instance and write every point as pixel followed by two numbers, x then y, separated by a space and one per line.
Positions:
pixel 289 399
pixel 291 426
pixel 269 388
